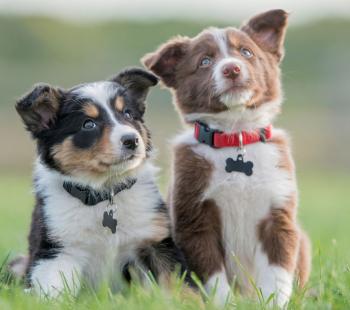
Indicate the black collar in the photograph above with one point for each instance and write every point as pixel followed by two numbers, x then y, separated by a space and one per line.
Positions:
pixel 91 197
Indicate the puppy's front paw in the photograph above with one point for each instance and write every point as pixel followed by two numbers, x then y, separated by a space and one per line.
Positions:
pixel 50 278
pixel 279 282
pixel 218 285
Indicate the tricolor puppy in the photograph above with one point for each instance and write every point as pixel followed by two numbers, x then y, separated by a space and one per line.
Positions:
pixel 98 209
pixel 234 191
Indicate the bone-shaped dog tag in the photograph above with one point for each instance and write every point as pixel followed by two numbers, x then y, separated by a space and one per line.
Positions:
pixel 109 221
pixel 239 165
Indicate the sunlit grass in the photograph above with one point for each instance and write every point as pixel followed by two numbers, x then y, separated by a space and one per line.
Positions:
pixel 323 212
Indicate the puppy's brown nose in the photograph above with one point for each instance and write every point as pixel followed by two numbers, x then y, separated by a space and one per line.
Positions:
pixel 231 71
pixel 130 141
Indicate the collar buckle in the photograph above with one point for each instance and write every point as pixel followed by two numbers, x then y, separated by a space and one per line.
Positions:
pixel 206 135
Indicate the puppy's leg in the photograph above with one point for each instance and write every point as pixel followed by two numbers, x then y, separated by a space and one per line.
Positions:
pixel 50 277
pixel 277 254
pixel 201 243
pixel 197 221
pixel 304 260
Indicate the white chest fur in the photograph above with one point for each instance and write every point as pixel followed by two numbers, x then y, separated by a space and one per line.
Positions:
pixel 78 228
pixel 243 200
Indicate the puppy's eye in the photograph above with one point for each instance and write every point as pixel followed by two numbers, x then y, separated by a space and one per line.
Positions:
pixel 89 124
pixel 127 114
pixel 246 52
pixel 206 62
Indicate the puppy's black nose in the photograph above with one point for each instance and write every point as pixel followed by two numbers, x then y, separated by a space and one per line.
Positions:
pixel 130 141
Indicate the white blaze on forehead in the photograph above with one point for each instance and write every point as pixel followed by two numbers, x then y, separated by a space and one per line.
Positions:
pixel 220 37
pixel 100 93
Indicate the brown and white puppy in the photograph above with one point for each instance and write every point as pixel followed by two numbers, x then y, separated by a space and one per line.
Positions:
pixel 229 79
pixel 98 209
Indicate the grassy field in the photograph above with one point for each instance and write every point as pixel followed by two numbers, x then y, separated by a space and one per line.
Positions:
pixel 323 213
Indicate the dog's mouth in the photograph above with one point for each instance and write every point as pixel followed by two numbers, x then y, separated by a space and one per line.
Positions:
pixel 120 161
pixel 234 88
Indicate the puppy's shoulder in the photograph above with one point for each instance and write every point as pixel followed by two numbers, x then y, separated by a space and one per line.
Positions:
pixel 280 138
pixel 184 139
pixel 188 161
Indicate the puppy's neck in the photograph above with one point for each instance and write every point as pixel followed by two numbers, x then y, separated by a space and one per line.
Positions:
pixel 238 118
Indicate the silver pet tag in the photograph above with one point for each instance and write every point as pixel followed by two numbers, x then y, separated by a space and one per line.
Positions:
pixel 108 220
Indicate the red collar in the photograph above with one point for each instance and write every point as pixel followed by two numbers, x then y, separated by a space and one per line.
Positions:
pixel 219 139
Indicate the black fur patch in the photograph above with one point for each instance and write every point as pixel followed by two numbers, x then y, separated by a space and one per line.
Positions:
pixel 41 246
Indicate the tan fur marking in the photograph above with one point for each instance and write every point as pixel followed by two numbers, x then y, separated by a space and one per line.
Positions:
pixel 95 160
pixel 161 227
pixel 50 96
pixel 91 110
pixel 197 223
pixel 119 103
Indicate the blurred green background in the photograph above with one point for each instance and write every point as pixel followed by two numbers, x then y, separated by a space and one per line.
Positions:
pixel 316 108
pixel 315 75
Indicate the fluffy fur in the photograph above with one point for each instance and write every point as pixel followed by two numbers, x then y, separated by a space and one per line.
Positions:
pixel 94 135
pixel 230 224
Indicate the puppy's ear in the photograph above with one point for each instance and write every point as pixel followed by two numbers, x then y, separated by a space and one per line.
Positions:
pixel 39 107
pixel 268 31
pixel 163 62
pixel 137 83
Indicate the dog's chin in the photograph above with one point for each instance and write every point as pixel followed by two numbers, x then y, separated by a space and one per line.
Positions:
pixel 111 172
pixel 126 166
pixel 237 97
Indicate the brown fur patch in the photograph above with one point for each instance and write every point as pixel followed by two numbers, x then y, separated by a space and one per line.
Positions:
pixel 163 62
pixel 91 110
pixel 96 160
pixel 194 91
pixel 119 103
pixel 198 229
pixel 268 30
pixel 279 236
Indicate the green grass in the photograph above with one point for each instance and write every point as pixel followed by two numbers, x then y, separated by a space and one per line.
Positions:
pixel 323 213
